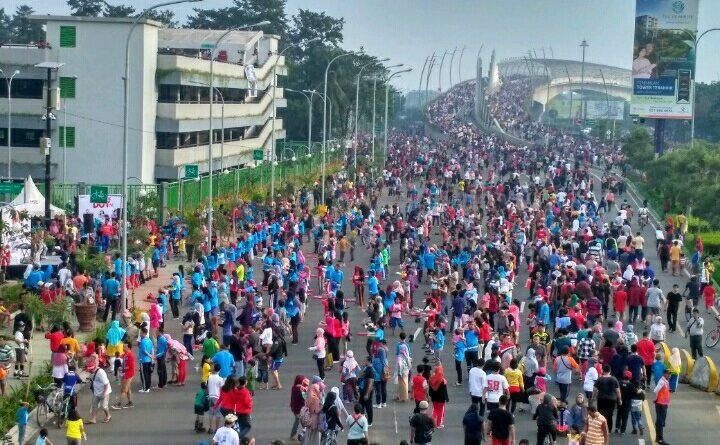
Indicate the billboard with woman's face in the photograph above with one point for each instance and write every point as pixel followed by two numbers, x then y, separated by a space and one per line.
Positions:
pixel 663 67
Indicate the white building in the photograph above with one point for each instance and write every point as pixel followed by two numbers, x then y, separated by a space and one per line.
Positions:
pixel 169 115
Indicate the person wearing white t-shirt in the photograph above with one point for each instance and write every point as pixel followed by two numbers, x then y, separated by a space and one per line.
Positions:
pixel 477 381
pixel 496 386
pixel 214 383
pixel 226 435
pixel 591 376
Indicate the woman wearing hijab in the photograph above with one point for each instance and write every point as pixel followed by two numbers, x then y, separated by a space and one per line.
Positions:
pixel 297 401
pixel 348 376
pixel 332 417
pixel 530 365
pixel 114 337
pixel 404 362
pixel 313 402
pixel 438 395
pixel 674 364
pixel 318 350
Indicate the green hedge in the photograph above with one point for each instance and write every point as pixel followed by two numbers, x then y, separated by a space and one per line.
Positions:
pixel 10 404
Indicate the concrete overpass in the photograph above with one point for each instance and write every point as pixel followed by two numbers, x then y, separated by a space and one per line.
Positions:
pixel 552 77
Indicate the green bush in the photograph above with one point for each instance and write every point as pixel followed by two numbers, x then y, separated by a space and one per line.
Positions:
pixel 711 243
pixel 10 404
pixel 696 224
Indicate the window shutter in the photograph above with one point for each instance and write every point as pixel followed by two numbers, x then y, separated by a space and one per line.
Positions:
pixel 67 37
pixel 70 132
pixel 67 87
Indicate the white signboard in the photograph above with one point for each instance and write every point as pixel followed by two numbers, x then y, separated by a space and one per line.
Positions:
pixel 16 236
pixel 603 109
pixel 111 209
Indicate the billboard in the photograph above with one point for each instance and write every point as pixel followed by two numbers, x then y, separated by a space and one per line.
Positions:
pixel 110 209
pixel 663 67
pixel 604 109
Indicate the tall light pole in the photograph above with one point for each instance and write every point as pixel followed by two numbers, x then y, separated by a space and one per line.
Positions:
pixel 126 129
pixel 452 58
pixel 696 41
pixel 462 51
pixel 387 89
pixel 9 118
pixel 48 117
pixel 211 87
pixel 442 62
pixel 309 112
pixel 357 111
pixel 422 72
pixel 374 107
pixel 427 77
pixel 324 140
pixel 222 121
pixel 274 116
pixel 583 45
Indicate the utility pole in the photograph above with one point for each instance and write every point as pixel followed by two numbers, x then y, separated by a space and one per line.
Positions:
pixel 583 45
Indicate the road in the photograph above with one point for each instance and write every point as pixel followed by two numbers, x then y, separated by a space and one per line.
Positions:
pixel 166 417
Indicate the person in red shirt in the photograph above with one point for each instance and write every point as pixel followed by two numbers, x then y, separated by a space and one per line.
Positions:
pixel 646 350
pixel 128 373
pixel 620 297
pixel 419 386
pixel 709 296
pixel 55 336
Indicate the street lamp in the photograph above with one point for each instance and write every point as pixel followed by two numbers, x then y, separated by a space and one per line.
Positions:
pixel 9 117
pixel 310 104
pixel 126 129
pixel 442 62
pixel 373 113
pixel 274 118
pixel 324 141
pixel 357 111
pixel 210 139
pixel 387 89
pixel 222 121
pixel 584 44
pixel 696 41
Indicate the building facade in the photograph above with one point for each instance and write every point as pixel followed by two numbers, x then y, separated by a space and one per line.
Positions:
pixel 169 100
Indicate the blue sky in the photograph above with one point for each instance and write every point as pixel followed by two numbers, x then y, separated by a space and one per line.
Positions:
pixel 408 31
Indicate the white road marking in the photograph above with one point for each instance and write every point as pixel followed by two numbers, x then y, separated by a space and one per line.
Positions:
pixel 395 418
pixel 417 332
pixel 717 407
pixel 641 441
pixel 522 306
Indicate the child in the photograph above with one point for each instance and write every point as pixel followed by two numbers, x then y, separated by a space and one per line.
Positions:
pixel 42 438
pixel 20 347
pixel 460 347
pixel 202 405
pixel 419 386
pixel 205 372
pixel 636 404
pixel 262 370
pixel 251 374
pixel 117 365
pixel 21 416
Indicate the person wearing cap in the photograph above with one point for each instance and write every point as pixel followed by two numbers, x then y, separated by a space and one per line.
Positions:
pixel 21 344
pixel 421 425
pixel 226 435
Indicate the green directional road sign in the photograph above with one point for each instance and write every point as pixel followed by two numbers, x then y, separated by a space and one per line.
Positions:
pixel 258 155
pixel 192 171
pixel 98 194
pixel 207 45
pixel 10 187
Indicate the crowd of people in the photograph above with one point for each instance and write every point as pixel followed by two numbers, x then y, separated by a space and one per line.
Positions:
pixel 521 266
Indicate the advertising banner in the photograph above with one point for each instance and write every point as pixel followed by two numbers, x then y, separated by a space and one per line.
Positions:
pixel 663 68
pixel 110 209
pixel 603 109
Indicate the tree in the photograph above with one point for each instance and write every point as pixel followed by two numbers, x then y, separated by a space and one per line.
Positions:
pixel 23 29
pixel 308 25
pixel 118 11
pixel 243 13
pixel 5 27
pixel 164 16
pixel 87 8
pixel 638 148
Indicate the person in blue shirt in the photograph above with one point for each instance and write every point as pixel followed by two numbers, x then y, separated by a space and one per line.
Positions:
pixel 225 360
pixel 117 265
pixel 34 278
pixel 176 295
pixel 111 291
pixel 21 417
pixel 145 356
pixel 196 279
pixel 160 354
pixel 460 347
pixel 70 379
pixel 156 254
pixel 372 283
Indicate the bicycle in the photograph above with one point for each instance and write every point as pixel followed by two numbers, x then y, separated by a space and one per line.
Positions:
pixel 50 399
pixel 713 336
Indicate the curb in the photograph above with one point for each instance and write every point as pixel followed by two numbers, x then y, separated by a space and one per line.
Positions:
pixel 689 363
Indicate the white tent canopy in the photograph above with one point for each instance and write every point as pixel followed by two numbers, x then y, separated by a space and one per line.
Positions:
pixel 32 201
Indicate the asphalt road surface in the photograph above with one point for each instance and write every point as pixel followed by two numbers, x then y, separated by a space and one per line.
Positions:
pixel 166 417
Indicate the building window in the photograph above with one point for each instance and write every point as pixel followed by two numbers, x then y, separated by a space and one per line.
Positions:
pixel 67 87
pixel 67 37
pixel 68 132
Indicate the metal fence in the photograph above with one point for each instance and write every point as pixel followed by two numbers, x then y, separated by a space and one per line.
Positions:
pixel 295 163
